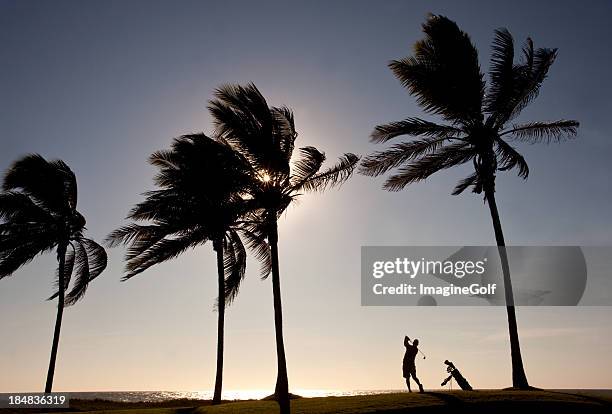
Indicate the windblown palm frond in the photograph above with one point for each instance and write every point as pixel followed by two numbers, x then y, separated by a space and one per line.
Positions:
pixel 427 165
pixel 264 135
pixel 503 73
pixel 383 161
pixel 307 165
pixel 143 255
pixel 52 184
pixel 18 247
pixel 87 260
pixel 129 233
pixel 234 263
pixel 469 181
pixel 535 132
pixel 444 73
pixel 508 158
pixel 18 208
pixel 255 240
pixel 335 175
pixel 414 127
pixel 514 85
pixel 284 131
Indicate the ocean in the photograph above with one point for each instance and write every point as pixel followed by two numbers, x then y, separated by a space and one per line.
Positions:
pixel 156 396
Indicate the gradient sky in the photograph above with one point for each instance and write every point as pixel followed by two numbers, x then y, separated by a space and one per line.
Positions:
pixel 103 84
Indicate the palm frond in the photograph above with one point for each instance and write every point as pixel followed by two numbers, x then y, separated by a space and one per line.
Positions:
pixel 82 273
pixel 91 260
pixel 161 251
pixel 243 118
pixel 52 184
pixel 20 243
pixel 502 72
pixel 139 246
pixel 135 232
pixel 98 259
pixel 162 206
pixel 255 240
pixel 444 73
pixel 382 161
pixel 508 158
pixel 333 176
pixel 164 159
pixel 536 132
pixel 197 161
pixel 308 164
pixel 19 208
pixel 469 181
pixel 542 60
pixel 523 86
pixel 234 265
pixel 413 127
pixel 420 169
pixel 23 253
pixel 284 129
pixel 69 179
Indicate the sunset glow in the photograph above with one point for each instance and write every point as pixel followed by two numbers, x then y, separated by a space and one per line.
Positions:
pixel 103 85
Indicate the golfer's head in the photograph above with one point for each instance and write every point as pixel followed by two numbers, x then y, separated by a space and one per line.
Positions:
pixel 415 342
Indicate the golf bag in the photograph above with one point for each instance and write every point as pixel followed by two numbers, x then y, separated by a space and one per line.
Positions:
pixel 454 373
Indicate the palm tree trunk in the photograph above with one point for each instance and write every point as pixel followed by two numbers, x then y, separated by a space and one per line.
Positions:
pixel 282 381
pixel 220 322
pixel 61 255
pixel 519 379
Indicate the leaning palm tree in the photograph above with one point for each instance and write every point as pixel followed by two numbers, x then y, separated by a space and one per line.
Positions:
pixel 200 199
pixel 444 76
pixel 264 136
pixel 38 214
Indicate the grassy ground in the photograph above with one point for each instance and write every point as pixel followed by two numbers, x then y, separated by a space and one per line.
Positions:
pixel 490 402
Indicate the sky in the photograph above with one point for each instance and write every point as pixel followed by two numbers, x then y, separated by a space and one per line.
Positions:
pixel 102 84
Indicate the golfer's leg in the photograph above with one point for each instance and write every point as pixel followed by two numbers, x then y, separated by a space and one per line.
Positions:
pixel 417 381
pixel 408 383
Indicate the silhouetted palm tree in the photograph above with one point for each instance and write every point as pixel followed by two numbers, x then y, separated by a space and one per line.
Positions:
pixel 265 137
pixel 445 77
pixel 38 214
pixel 200 198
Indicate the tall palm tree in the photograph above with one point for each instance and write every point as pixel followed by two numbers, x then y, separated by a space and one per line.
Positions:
pixel 38 214
pixel 200 199
pixel 265 137
pixel 444 76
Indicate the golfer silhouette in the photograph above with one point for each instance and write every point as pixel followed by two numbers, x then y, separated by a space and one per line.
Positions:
pixel 409 365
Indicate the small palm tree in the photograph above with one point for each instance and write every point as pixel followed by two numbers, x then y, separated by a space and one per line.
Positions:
pixel 38 214
pixel 265 137
pixel 445 77
pixel 200 199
